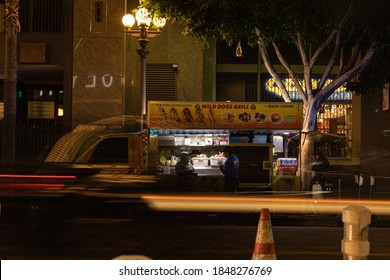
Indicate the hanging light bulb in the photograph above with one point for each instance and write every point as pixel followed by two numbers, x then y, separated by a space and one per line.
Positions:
pixel 239 49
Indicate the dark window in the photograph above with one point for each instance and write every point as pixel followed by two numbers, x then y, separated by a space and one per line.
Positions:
pixel 43 15
pixel 112 150
pixel 289 52
pixel 237 87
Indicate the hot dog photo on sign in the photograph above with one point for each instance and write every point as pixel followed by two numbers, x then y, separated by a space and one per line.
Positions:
pixel 175 115
pixel 187 115
pixel 162 115
pixel 199 114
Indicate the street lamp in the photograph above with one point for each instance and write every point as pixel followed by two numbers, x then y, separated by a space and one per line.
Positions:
pixel 142 34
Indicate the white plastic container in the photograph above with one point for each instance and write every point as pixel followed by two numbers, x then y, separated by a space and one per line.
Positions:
pixel 214 161
pixel 200 162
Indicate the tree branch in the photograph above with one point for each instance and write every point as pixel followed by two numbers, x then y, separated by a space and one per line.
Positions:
pixel 291 72
pixel 321 48
pixel 336 52
pixel 347 76
pixel 332 62
pixel 353 58
pixel 269 66
pixel 306 66
pixel 302 50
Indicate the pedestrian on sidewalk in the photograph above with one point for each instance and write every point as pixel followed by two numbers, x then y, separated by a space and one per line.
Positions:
pixel 317 190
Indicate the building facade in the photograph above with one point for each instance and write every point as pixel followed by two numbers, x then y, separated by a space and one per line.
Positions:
pixel 76 63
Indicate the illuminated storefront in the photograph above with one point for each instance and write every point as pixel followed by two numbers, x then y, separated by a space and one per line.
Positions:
pixel 334 117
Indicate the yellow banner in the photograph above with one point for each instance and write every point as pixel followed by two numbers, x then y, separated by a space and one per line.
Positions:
pixel 224 115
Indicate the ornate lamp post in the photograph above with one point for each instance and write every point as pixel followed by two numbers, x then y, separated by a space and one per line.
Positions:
pixel 142 34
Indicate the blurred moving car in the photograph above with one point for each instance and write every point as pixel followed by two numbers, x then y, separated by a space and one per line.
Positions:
pixel 92 158
pixel 100 146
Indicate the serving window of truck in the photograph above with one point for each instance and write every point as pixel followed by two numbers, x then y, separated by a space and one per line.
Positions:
pixel 202 129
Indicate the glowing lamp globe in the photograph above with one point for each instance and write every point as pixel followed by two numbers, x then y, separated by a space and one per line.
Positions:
pixel 128 20
pixel 159 22
pixel 142 16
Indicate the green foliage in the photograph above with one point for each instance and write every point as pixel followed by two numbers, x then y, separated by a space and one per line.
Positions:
pixel 279 20
pixel 208 19
pixel 376 29
pixel 363 21
pixel 372 79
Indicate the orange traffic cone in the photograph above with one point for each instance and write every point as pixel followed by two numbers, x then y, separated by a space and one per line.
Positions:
pixel 264 245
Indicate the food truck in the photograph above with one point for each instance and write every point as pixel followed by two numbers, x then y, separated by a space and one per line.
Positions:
pixel 202 129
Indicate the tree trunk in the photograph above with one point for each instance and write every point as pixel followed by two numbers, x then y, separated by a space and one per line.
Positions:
pixel 12 27
pixel 305 162
pixel 307 144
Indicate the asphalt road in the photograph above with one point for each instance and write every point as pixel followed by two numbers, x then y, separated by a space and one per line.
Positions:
pixel 164 236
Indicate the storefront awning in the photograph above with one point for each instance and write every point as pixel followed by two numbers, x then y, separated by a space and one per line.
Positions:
pixel 318 136
pixel 42 74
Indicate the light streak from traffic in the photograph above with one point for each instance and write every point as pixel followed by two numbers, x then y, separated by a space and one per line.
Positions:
pixel 20 176
pixel 32 186
pixel 255 204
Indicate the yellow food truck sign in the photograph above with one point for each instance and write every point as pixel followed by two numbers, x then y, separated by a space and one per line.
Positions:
pixel 224 115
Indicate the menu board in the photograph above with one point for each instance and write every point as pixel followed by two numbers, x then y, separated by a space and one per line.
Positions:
pixel 224 115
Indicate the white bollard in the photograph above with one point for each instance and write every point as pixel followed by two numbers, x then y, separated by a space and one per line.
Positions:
pixel 355 245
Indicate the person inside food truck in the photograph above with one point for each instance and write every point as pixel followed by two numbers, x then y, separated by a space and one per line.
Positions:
pixel 230 169
pixel 186 174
